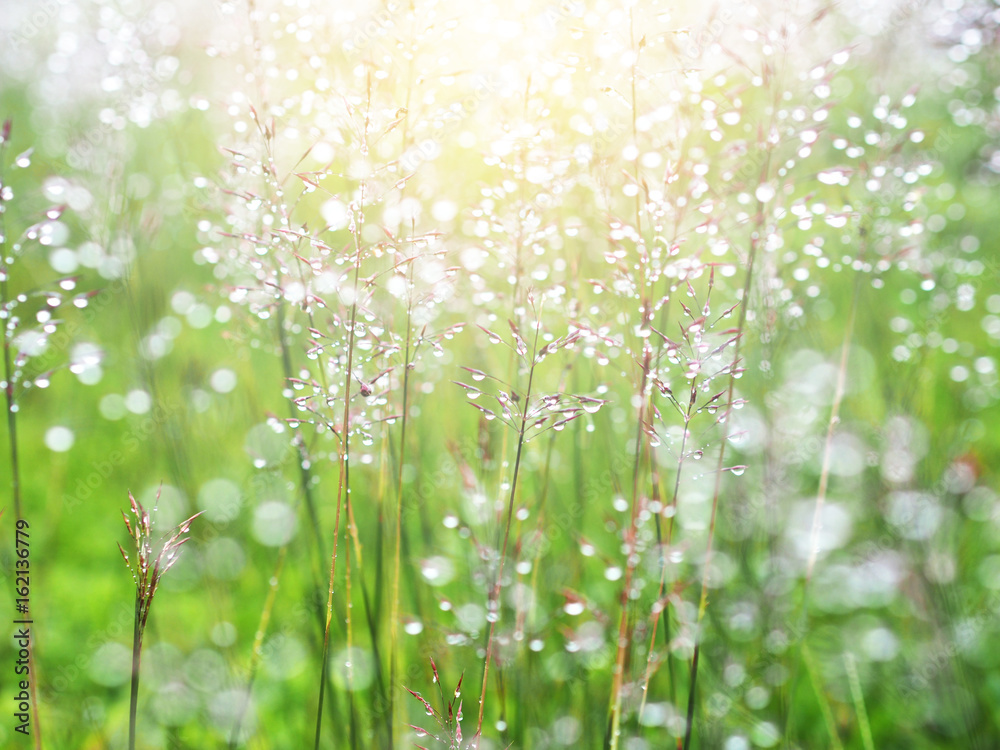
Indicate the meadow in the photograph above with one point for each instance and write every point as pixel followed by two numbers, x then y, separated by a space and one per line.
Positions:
pixel 487 375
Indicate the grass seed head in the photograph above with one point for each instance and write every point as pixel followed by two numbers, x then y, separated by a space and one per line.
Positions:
pixel 151 561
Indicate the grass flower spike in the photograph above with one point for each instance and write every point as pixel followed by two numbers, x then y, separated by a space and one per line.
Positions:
pixel 147 568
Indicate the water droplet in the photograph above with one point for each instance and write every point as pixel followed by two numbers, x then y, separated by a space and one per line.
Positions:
pixel 764 193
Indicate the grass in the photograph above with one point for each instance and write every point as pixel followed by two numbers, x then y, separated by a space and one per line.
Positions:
pixel 14 379
pixel 727 479
pixel 150 563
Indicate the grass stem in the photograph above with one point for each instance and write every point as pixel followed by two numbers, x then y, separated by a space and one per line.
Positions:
pixel 493 608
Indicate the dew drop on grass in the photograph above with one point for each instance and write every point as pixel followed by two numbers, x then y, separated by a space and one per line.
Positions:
pixel 764 193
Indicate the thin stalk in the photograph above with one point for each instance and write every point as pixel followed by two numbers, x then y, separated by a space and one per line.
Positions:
pixel 692 399
pixel 371 617
pixel 384 472
pixel 527 616
pixel 821 491
pixel 524 612
pixel 824 705
pixel 8 367
pixel 703 602
pixel 305 482
pixel 370 620
pixel 494 604
pixel 342 457
pixel 624 637
pixel 351 729
pixel 755 239
pixel 15 463
pixel 305 472
pixel 858 696
pixel 133 705
pixel 838 398
pixel 398 541
pixel 342 464
pixel 262 625
pixel 518 269
pixel 394 616
pixel 624 641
